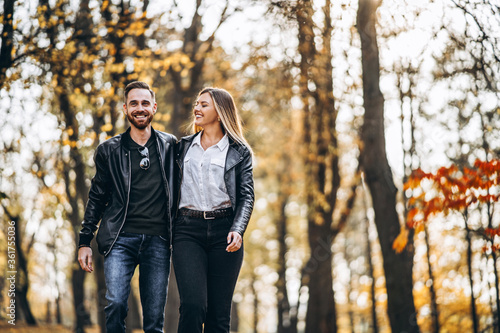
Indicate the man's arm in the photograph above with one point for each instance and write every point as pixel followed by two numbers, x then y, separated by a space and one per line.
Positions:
pixel 97 202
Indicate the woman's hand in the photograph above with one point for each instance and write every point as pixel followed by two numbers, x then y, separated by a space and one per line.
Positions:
pixel 234 240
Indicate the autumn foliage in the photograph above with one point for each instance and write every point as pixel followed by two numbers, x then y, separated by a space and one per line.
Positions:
pixel 454 189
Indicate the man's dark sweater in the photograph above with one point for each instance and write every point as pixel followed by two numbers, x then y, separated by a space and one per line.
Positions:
pixel 147 208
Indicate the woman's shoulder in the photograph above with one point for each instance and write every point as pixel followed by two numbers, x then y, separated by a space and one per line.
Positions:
pixel 240 147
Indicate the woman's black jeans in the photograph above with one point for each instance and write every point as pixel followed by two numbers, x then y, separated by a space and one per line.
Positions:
pixel 206 274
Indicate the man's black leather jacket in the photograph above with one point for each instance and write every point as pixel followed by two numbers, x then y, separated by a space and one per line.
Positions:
pixel 110 189
pixel 238 176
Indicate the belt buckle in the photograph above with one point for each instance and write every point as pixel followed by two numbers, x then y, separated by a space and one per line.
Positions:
pixel 207 218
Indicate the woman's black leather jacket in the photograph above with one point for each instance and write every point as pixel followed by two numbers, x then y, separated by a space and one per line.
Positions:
pixel 238 176
pixel 110 189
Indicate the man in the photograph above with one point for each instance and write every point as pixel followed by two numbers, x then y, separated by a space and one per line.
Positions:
pixel 132 195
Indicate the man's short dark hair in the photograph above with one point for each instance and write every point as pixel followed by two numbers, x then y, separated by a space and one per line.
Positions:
pixel 137 85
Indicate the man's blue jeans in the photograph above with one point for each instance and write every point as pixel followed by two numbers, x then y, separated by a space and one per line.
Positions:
pixel 152 254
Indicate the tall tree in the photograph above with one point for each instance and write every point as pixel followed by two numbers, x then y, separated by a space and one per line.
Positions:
pixel 6 59
pixel 321 163
pixel 407 78
pixel 187 66
pixel 21 263
pixel 373 160
pixel 472 54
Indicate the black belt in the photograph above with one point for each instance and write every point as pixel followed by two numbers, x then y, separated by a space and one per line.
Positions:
pixel 207 215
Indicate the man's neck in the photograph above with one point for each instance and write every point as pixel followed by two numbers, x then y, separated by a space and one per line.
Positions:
pixel 140 136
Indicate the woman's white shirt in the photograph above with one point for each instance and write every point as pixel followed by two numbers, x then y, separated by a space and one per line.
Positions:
pixel 203 187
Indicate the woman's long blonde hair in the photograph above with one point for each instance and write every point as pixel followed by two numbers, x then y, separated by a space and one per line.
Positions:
pixel 228 114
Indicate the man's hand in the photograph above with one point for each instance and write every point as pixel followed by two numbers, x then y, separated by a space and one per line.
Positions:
pixel 234 240
pixel 85 258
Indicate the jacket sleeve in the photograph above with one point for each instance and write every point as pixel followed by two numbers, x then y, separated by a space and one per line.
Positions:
pixel 98 198
pixel 245 195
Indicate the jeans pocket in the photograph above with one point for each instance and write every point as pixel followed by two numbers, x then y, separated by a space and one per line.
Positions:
pixel 165 239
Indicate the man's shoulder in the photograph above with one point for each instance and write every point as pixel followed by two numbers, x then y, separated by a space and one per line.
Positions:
pixel 190 137
pixel 110 144
pixel 166 136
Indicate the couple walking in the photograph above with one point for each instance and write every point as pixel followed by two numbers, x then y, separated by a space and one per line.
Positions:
pixel 155 198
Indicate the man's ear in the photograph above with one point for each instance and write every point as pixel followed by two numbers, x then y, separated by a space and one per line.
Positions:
pixel 125 108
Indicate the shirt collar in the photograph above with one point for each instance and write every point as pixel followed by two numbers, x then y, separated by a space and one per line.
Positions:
pixel 222 144
pixel 196 140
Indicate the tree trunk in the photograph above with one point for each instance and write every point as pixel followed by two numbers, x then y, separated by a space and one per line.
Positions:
pixel 409 164
pixel 98 263
pixel 173 303
pixel 255 304
pixel 22 278
pixel 473 310
pixel 496 314
pixel 373 159
pixel 321 165
pixel 235 318
pixel 496 320
pixel 76 193
pixel 285 316
pixel 58 310
pixel 321 315
pixel 7 39
pixel 432 290
pixel 350 288
pixel 371 274
pixel 134 319
pixel 82 317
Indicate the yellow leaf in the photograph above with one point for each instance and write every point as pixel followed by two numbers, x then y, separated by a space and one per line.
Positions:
pixel 419 228
pixel 106 127
pixel 400 241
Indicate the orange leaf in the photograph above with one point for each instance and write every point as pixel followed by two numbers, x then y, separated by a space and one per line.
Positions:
pixel 411 214
pixel 400 242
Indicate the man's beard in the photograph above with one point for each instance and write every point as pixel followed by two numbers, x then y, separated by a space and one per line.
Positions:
pixel 140 124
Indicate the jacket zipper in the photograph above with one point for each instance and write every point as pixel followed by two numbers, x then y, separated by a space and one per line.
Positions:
pixel 180 163
pixel 180 184
pixel 167 189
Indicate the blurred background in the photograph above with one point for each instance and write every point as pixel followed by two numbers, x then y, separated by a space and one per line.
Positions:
pixel 375 131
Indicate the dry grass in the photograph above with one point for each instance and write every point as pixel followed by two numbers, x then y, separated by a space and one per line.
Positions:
pixel 22 328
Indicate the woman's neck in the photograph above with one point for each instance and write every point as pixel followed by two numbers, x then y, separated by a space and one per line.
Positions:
pixel 210 137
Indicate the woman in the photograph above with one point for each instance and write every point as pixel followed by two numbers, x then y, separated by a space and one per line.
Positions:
pixel 215 203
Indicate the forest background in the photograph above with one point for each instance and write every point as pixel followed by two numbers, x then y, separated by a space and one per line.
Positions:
pixel 374 125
